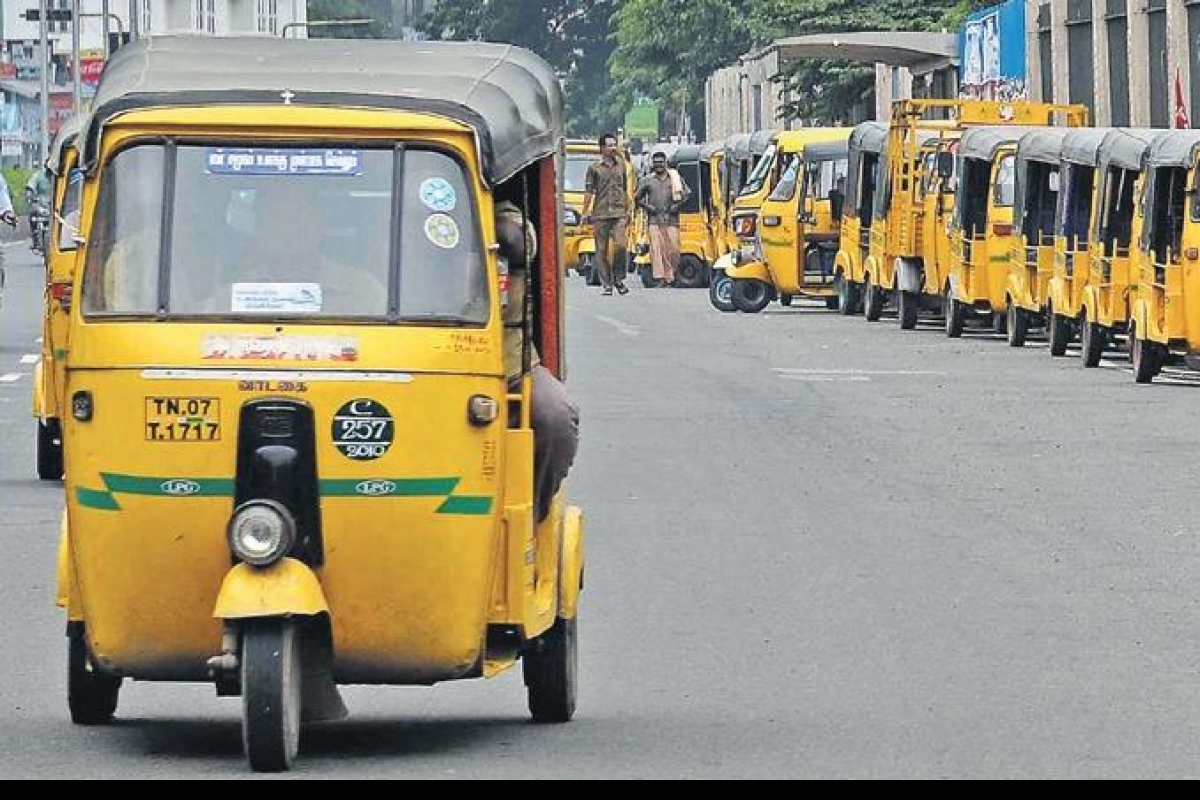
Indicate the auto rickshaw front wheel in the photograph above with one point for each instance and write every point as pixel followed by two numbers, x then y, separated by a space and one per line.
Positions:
pixel 1017 325
pixel 750 296
pixel 1060 331
pixel 1148 358
pixel 91 695
pixel 551 669
pixel 720 292
pixel 956 316
pixel 691 273
pixel 271 694
pixel 909 310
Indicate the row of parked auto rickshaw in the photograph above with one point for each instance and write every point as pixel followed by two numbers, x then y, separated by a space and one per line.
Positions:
pixel 1015 214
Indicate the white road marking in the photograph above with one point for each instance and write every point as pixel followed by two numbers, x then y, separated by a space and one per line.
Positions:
pixel 827 378
pixel 789 372
pixel 30 358
pixel 624 329
pixel 11 377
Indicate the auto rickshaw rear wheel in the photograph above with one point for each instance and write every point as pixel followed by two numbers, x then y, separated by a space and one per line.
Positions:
pixel 873 301
pixel 956 316
pixel 847 295
pixel 750 296
pixel 271 694
pixel 1093 339
pixel 49 451
pixel 785 300
pixel 691 273
pixel 91 695
pixel 833 303
pixel 1018 325
pixel 909 309
pixel 720 292
pixel 551 669
pixel 1148 358
pixel 1058 332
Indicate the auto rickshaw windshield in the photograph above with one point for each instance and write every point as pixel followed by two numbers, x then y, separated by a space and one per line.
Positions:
pixel 758 178
pixel 823 176
pixel 286 232
pixel 575 175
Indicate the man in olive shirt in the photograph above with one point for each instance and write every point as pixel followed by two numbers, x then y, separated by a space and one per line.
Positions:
pixel 607 205
pixel 661 194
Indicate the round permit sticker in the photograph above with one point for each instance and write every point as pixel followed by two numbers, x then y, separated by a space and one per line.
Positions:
pixel 363 430
pixel 442 230
pixel 438 195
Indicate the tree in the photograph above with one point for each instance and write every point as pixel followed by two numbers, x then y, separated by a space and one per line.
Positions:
pixel 572 35
pixel 666 49
pixel 329 10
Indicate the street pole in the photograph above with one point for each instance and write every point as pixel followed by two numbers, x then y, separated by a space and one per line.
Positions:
pixel 77 85
pixel 44 37
pixel 104 11
pixel 134 28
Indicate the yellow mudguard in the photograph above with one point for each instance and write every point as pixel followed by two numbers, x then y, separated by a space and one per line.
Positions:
pixel 288 588
pixel 750 271
pixel 587 247
pixel 570 576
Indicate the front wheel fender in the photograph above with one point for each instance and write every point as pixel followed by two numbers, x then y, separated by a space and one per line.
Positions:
pixel 750 271
pixel 570 576
pixel 288 588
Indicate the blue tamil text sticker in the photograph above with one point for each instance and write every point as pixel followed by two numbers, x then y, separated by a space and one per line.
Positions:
pixel 270 161
pixel 438 195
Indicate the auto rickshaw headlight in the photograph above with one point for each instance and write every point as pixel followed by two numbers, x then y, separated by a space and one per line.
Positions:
pixel 571 218
pixel 261 532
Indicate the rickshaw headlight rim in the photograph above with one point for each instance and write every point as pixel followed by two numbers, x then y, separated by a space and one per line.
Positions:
pixel 261 532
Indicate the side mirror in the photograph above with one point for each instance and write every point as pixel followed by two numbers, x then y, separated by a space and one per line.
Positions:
pixel 945 165
pixel 1055 182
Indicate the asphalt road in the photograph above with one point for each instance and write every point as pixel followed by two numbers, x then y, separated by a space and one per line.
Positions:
pixel 818 548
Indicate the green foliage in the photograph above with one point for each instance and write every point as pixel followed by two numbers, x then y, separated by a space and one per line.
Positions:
pixel 572 35
pixel 17 177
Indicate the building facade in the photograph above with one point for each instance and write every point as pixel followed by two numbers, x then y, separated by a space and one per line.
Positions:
pixel 1133 62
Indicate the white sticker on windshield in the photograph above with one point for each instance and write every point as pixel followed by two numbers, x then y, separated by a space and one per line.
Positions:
pixel 276 298
pixel 442 231
pixel 438 195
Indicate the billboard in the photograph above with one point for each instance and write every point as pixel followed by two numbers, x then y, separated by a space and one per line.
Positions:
pixel 642 122
pixel 991 51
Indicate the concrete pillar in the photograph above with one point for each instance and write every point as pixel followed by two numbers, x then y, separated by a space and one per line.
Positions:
pixel 1062 67
pixel 1178 61
pixel 1139 65
pixel 1103 113
pixel 1033 53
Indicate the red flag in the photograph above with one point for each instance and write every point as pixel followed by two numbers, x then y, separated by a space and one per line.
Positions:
pixel 1182 120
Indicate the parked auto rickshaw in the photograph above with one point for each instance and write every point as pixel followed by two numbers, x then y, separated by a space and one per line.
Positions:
pixel 579 242
pixel 293 319
pixel 866 165
pixel 1079 185
pixel 1113 278
pixel 983 225
pixel 62 245
pixel 1039 155
pixel 798 234
pixel 743 154
pixel 1165 313
pixel 696 246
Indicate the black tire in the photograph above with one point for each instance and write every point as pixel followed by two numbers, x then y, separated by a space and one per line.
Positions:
pixel 91 695
pixel 49 451
pixel 750 296
pixel 691 274
pixel 785 300
pixel 1094 339
pixel 551 670
pixel 1000 322
pixel 910 310
pixel 1059 332
pixel 956 316
pixel 873 301
pixel 592 277
pixel 847 296
pixel 1018 325
pixel 646 273
pixel 1147 357
pixel 271 691
pixel 720 292
pixel 833 303
pixel 586 265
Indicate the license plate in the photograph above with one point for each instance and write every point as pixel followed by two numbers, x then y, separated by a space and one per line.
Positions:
pixel 183 419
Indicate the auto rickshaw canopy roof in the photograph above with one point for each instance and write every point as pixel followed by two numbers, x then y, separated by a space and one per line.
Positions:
pixel 1082 145
pixel 983 143
pixel 869 137
pixel 687 154
pixel 509 96
pixel 1125 148
pixel 710 149
pixel 1043 145
pixel 1175 149
pixel 66 137
pixel 826 151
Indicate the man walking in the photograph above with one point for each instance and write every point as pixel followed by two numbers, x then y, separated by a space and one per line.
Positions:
pixel 606 204
pixel 661 194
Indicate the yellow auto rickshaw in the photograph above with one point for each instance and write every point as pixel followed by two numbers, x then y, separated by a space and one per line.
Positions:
pixel 696 245
pixel 866 167
pixel 798 233
pixel 1031 263
pixel 61 247
pixel 1165 313
pixel 300 443
pixel 579 241
pixel 744 154
pixel 1105 296
pixel 1079 185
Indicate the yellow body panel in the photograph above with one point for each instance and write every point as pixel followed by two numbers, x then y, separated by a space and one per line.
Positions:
pixel 48 399
pixel 424 547
pixel 979 275
pixel 288 588
pixel 1029 272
